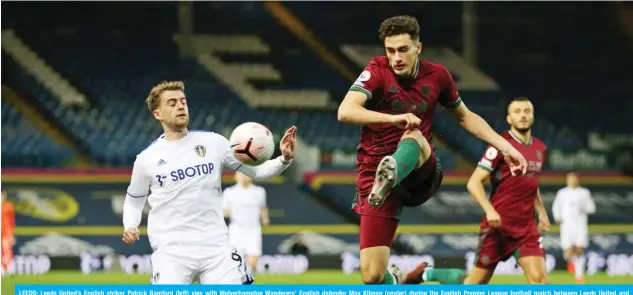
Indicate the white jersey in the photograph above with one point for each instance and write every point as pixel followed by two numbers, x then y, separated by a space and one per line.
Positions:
pixel 245 204
pixel 184 177
pixel 571 207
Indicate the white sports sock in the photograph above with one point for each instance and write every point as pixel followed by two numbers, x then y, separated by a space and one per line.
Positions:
pixel 424 277
pixel 579 266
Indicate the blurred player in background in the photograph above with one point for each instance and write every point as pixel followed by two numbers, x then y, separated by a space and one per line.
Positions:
pixel 394 99
pixel 510 227
pixel 245 205
pixel 8 232
pixel 183 171
pixel 572 205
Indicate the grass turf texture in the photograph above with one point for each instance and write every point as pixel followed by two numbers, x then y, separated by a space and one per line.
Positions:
pixel 311 277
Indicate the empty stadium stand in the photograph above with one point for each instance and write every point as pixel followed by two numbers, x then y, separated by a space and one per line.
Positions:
pixel 117 68
pixel 112 53
pixel 24 145
pixel 530 49
pixel 567 58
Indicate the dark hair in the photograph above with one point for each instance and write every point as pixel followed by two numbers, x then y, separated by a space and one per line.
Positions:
pixel 520 98
pixel 397 25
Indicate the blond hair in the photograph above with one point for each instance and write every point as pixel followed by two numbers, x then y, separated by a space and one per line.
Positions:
pixel 153 99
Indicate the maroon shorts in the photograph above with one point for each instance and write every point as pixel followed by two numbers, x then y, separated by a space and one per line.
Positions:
pixel 518 239
pixel 378 225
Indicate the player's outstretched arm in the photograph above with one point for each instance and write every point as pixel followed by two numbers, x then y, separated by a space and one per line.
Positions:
pixel 270 168
pixel 266 170
pixel 478 127
pixel 477 191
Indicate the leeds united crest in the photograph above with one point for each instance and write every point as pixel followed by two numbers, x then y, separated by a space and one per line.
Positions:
pixel 200 150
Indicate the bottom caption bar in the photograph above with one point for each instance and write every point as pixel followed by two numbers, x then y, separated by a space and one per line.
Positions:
pixel 324 290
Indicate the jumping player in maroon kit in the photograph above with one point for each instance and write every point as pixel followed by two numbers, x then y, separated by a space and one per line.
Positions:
pixel 394 99
pixel 510 227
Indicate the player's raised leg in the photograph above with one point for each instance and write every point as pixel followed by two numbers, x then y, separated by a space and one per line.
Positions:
pixel 413 150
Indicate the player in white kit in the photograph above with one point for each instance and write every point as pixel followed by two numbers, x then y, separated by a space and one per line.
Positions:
pixel 245 205
pixel 182 174
pixel 572 205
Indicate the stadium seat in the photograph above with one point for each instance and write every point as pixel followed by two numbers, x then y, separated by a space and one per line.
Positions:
pixel 23 145
pixel 115 58
pixel 542 51
pixel 511 63
pixel 111 62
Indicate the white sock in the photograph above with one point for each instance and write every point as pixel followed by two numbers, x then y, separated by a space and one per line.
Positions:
pixel 579 265
pixel 424 277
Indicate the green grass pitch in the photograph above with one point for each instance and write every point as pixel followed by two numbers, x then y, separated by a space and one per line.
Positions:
pixel 311 277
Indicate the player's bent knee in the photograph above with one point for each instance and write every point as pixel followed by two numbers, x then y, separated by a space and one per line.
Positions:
pixel 413 133
pixel 372 276
pixel 373 264
pixel 417 135
pixel 425 147
pixel 538 278
pixel 534 268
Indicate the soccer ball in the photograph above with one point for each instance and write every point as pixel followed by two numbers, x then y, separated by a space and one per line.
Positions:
pixel 252 143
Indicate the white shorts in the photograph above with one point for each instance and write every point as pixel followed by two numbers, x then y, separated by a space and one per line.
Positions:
pixel 209 265
pixel 574 237
pixel 246 241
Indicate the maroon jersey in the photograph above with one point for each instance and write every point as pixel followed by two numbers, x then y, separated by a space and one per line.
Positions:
pixel 388 93
pixel 513 196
